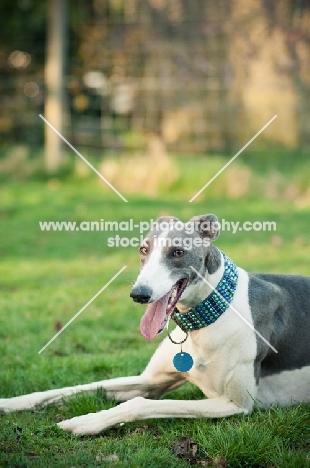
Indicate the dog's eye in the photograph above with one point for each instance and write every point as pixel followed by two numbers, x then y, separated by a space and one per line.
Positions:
pixel 178 253
pixel 143 250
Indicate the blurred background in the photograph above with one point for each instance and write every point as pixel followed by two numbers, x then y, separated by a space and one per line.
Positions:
pixel 158 95
pixel 154 80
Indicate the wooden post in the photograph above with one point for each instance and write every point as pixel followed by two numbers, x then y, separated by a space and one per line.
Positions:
pixel 55 80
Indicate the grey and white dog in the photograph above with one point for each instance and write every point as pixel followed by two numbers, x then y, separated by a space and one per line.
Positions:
pixel 233 366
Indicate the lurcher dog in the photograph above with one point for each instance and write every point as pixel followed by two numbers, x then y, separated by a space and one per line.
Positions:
pixel 245 336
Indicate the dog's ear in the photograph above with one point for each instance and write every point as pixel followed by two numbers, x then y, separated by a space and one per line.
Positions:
pixel 207 226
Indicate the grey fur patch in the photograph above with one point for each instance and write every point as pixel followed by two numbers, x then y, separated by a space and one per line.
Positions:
pixel 281 313
pixel 213 260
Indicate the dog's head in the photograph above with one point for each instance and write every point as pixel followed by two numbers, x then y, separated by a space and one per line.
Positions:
pixel 167 254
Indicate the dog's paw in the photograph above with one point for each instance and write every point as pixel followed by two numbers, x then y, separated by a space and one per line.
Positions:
pixel 19 403
pixel 5 406
pixel 90 424
pixel 30 401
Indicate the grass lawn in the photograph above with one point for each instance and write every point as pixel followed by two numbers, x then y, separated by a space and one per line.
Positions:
pixel 46 277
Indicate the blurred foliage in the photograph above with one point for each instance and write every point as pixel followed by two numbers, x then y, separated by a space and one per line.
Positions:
pixel 203 75
pixel 275 175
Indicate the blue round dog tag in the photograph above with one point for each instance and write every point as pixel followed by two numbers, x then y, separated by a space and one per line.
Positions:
pixel 183 362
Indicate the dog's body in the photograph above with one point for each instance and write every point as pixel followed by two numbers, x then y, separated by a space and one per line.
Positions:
pixel 233 366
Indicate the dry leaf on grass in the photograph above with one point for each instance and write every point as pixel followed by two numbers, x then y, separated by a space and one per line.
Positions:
pixel 58 325
pixel 186 448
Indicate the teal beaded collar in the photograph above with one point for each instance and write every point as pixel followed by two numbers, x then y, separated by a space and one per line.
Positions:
pixel 214 305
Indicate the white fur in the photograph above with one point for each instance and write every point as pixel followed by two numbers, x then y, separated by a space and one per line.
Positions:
pixel 288 386
pixel 155 274
pixel 224 353
pixel 140 408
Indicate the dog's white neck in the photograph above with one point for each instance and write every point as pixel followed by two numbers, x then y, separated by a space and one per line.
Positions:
pixel 195 293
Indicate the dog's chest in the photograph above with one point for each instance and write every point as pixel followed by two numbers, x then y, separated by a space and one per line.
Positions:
pixel 220 351
pixel 212 367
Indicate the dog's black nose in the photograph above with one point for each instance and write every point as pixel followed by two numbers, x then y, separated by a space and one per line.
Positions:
pixel 141 294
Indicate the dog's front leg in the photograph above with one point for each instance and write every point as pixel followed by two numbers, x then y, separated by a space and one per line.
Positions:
pixel 121 389
pixel 158 378
pixel 140 408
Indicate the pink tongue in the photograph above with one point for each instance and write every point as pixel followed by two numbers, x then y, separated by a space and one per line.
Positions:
pixel 154 317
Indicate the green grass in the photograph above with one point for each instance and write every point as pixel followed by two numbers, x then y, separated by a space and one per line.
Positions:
pixel 47 277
